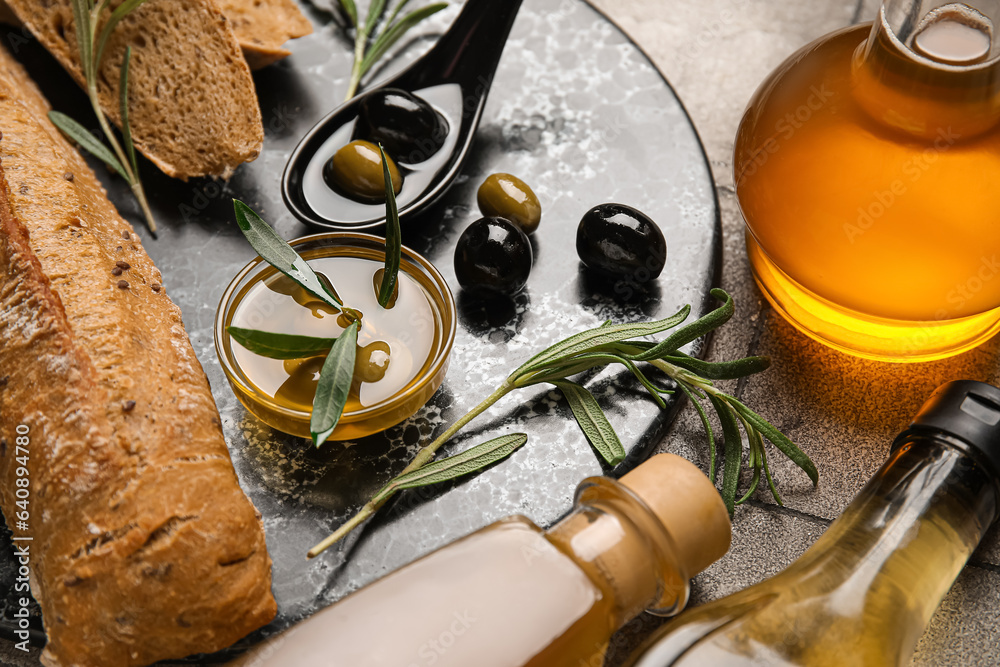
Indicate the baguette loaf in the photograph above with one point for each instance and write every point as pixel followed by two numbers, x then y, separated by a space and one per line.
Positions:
pixel 143 545
pixel 193 107
pixel 262 26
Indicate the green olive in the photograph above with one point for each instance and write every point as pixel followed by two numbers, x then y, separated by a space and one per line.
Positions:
pixel 506 196
pixel 355 171
pixel 372 361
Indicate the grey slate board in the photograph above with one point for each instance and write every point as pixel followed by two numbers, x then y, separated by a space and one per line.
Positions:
pixel 579 113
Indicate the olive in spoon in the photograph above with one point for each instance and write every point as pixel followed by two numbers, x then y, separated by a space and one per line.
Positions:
pixel 446 89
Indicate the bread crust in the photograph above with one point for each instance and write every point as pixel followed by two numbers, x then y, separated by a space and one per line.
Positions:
pixel 193 106
pixel 263 26
pixel 144 547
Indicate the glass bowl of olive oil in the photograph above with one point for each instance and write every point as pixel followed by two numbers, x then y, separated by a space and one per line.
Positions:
pixel 403 349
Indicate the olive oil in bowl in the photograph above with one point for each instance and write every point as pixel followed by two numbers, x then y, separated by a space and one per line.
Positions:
pixel 402 353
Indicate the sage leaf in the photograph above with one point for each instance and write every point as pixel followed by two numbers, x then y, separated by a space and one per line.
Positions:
pixel 393 240
pixel 123 104
pixel 593 422
pixel 334 385
pixel 392 34
pixel 88 141
pixel 602 335
pixel 280 346
pixel 732 452
pixel 275 251
pixel 457 465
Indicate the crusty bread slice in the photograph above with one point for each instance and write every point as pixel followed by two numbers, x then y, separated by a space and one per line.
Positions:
pixel 143 545
pixel 262 26
pixel 193 108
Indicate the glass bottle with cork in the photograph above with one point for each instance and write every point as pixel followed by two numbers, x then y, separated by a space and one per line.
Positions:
pixel 513 594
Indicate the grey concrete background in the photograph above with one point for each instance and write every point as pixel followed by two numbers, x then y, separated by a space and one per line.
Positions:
pixel 844 412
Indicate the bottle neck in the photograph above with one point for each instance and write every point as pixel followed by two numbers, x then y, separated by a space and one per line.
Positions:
pixel 624 549
pixel 908 533
pixel 930 70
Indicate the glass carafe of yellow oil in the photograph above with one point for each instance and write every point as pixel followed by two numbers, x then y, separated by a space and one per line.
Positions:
pixel 512 594
pixel 866 168
pixel 863 593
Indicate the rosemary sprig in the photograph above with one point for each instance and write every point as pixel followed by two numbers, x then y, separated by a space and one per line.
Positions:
pixel 371 40
pixel 87 17
pixel 609 344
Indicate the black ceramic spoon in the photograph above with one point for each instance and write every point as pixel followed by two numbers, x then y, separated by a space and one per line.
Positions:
pixel 466 56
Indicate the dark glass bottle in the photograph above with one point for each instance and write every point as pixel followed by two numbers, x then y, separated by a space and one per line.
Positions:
pixel 862 595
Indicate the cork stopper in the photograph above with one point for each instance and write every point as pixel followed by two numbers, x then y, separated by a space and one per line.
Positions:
pixel 688 505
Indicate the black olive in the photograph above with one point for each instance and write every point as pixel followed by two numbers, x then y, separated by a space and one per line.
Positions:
pixel 355 171
pixel 621 242
pixel 409 128
pixel 493 256
pixel 509 197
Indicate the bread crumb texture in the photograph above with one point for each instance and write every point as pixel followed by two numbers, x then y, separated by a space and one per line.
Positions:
pixel 192 103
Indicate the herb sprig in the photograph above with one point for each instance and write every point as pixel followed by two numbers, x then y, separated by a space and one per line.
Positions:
pixel 87 17
pixel 615 344
pixel 374 37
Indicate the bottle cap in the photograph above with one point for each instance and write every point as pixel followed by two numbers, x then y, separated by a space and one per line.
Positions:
pixel 688 505
pixel 968 410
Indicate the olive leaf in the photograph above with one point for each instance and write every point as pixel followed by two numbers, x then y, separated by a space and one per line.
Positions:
pixel 594 424
pixel 275 251
pixel 334 385
pixel 280 346
pixel 393 238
